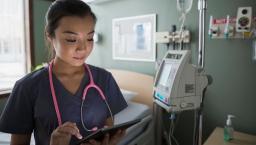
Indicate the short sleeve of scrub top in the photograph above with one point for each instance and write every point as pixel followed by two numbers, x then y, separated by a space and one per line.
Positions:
pixel 17 116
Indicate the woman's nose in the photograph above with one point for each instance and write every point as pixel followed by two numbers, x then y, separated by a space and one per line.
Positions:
pixel 82 45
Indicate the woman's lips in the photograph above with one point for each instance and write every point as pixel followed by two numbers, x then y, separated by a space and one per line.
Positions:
pixel 78 58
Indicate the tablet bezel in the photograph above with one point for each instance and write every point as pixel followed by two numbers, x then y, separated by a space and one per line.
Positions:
pixel 99 134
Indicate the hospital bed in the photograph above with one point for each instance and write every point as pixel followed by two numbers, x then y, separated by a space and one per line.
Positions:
pixel 140 106
pixel 137 89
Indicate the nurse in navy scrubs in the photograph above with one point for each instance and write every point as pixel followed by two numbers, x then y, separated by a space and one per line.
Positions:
pixel 68 99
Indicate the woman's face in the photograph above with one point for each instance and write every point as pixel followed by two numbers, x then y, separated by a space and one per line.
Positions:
pixel 73 41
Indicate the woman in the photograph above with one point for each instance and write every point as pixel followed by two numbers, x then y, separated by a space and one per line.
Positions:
pixel 68 99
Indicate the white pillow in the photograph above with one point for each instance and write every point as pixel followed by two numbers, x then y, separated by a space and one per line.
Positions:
pixel 128 95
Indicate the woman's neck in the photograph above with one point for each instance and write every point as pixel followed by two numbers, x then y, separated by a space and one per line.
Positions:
pixel 61 68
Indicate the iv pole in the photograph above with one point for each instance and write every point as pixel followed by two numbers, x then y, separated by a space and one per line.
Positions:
pixel 201 56
pixel 202 11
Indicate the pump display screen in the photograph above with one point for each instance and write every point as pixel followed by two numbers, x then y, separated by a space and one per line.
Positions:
pixel 165 74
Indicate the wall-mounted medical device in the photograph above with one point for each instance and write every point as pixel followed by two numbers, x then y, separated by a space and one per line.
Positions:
pixel 170 37
pixel 244 19
pixel 178 85
pixel 240 26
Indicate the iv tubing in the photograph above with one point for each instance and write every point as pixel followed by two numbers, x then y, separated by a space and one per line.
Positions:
pixel 183 17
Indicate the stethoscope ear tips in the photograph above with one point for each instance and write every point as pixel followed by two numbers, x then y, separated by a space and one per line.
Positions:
pixel 94 128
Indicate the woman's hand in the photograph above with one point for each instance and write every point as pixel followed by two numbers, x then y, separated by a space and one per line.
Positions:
pixel 115 138
pixel 108 140
pixel 62 134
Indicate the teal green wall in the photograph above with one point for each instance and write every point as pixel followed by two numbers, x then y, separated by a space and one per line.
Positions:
pixel 234 74
pixel 227 61
pixel 39 8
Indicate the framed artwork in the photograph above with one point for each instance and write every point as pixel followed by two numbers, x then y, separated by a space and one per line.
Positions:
pixel 134 38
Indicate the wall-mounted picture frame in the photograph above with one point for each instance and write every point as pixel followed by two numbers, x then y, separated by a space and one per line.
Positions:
pixel 133 38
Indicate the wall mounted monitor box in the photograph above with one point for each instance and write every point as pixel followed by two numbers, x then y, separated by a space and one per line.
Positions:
pixel 244 19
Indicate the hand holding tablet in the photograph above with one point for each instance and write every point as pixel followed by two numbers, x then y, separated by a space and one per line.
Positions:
pixel 99 134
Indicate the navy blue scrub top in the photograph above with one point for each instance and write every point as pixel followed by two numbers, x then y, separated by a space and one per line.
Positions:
pixel 30 106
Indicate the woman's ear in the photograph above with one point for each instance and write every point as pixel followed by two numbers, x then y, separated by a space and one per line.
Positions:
pixel 49 41
pixel 48 37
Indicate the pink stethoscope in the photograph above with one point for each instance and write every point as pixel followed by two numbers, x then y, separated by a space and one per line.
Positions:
pixel 90 85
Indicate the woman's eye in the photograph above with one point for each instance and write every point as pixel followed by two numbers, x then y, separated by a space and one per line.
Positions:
pixel 90 39
pixel 71 40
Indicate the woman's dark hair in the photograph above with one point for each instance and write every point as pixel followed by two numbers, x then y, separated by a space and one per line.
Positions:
pixel 62 8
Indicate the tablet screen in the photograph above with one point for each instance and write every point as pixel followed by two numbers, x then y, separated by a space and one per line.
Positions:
pixel 99 134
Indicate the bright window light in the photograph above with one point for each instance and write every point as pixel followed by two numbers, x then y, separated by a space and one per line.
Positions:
pixel 13 60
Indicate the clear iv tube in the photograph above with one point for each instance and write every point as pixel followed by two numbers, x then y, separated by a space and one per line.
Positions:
pixel 181 6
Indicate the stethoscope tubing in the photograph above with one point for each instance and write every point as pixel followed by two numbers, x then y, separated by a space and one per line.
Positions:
pixel 91 85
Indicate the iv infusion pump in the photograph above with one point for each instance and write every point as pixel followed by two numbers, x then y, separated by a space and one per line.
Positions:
pixel 178 85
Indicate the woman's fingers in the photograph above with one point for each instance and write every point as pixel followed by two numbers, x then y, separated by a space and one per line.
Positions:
pixel 106 140
pixel 94 142
pixel 85 144
pixel 70 128
pixel 116 137
pixel 62 134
